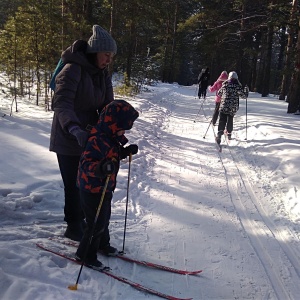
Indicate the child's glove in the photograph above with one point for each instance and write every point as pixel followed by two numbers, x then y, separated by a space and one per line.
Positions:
pixel 131 149
pixel 105 168
pixel 81 135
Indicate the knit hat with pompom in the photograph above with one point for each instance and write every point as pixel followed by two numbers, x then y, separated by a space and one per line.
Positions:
pixel 101 41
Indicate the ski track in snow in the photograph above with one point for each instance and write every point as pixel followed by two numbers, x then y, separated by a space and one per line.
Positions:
pixel 271 249
pixel 190 207
pixel 267 241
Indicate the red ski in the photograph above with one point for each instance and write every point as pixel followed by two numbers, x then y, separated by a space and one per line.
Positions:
pixel 158 266
pixel 133 260
pixel 135 285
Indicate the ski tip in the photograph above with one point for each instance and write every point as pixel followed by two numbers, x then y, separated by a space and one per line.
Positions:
pixel 194 272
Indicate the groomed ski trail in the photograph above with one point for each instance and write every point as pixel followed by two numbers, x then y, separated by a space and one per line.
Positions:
pixel 267 246
pixel 276 257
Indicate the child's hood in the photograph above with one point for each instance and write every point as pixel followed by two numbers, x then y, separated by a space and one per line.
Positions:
pixel 223 76
pixel 117 115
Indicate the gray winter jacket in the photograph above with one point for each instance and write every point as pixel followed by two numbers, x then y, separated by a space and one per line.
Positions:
pixel 81 92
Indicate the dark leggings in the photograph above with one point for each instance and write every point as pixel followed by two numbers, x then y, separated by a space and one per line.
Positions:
pixel 68 166
pixel 202 92
pixel 216 113
pixel 100 233
pixel 225 121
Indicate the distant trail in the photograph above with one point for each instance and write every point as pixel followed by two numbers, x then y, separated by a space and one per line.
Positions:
pixel 229 200
pixel 278 259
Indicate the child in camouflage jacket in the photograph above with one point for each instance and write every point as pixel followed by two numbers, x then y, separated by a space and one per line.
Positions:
pixel 101 157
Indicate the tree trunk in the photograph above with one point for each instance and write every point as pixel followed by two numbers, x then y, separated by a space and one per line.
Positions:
pixel 62 25
pixel 253 86
pixel 283 43
pixel 165 54
pixel 294 92
pixel 268 57
pixel 113 14
pixel 261 62
pixel 172 64
pixel 288 57
pixel 241 45
pixel 131 50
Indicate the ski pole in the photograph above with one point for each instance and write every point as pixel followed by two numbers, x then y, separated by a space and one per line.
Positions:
pixel 127 197
pixel 207 128
pixel 216 108
pixel 74 287
pixel 246 87
pixel 246 117
pixel 199 110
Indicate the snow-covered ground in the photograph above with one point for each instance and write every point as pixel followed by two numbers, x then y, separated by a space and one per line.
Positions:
pixel 233 214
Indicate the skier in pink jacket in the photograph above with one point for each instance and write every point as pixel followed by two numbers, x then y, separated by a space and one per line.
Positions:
pixel 214 88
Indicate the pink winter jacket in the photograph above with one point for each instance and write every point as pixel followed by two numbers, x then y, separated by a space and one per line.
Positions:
pixel 217 85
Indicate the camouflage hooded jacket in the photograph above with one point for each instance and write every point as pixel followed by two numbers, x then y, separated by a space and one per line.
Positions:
pixel 230 92
pixel 104 144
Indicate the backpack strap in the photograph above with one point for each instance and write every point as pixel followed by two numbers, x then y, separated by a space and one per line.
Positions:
pixel 58 68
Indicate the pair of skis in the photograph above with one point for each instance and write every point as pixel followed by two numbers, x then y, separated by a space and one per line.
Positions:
pixel 108 272
pixel 130 259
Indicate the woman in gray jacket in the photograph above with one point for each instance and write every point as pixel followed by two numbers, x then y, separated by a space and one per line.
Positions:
pixel 82 88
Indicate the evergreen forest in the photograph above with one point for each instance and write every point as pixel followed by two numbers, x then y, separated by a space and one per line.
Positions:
pixel 168 41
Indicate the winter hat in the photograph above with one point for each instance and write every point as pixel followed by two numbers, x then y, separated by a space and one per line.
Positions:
pixel 101 41
pixel 223 76
pixel 233 75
